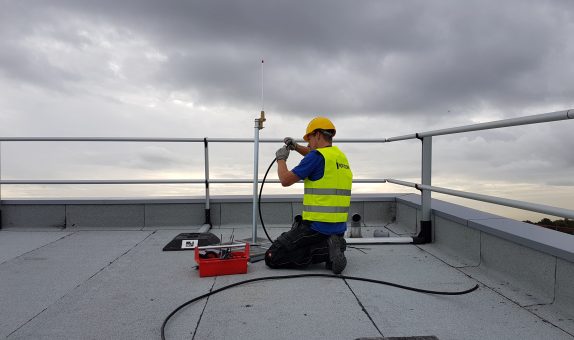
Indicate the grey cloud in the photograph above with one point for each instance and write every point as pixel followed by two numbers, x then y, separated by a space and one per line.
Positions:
pixel 361 58
pixel 26 67
pixel 381 68
pixel 564 183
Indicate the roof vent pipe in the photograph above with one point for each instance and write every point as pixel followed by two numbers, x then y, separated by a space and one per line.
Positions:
pixel 356 226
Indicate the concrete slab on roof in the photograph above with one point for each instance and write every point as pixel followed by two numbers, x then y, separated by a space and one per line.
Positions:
pixel 31 283
pixel 128 299
pixel 483 314
pixel 310 308
pixel 17 243
pixel 305 308
pixel 115 300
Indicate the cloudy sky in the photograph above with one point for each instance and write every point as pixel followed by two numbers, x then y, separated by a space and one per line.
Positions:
pixel 183 68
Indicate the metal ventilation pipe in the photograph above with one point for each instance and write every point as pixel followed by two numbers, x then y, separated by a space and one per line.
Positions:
pixel 356 226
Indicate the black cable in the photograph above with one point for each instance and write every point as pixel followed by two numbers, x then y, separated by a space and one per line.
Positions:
pixel 259 201
pixel 296 276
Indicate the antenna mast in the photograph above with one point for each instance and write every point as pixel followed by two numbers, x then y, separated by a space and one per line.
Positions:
pixel 262 117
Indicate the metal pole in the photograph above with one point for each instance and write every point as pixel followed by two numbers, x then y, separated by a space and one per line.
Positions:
pixel 255 178
pixel 0 185
pixel 207 207
pixel 426 178
pixel 425 233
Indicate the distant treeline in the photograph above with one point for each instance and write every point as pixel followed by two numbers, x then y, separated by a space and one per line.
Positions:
pixel 565 225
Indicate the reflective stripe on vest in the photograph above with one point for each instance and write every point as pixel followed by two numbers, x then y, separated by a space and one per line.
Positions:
pixel 328 199
pixel 317 191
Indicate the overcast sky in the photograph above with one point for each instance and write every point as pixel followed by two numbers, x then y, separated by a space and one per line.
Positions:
pixel 378 69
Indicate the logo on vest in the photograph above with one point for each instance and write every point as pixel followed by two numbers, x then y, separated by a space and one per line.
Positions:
pixel 342 166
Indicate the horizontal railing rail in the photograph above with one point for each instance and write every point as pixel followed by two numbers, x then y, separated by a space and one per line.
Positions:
pixel 534 119
pixel 160 181
pixel 541 208
pixel 425 186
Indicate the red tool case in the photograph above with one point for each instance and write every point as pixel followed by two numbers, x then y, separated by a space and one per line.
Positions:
pixel 234 263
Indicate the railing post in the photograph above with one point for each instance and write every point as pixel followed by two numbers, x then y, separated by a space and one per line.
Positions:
pixel 207 206
pixel 258 126
pixel 425 233
pixel 0 185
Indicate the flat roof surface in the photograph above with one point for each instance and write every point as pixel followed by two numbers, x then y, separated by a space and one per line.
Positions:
pixel 119 284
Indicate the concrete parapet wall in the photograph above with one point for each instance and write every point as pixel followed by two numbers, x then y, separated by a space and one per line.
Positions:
pixel 227 211
pixel 532 266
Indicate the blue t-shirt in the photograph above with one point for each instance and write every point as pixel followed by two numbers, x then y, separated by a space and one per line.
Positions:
pixel 312 166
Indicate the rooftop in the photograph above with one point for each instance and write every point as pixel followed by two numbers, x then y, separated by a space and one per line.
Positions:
pixel 96 269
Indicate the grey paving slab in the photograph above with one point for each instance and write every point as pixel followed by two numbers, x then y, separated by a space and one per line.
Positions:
pixel 307 308
pixel 483 314
pixel 31 283
pixel 121 285
pixel 16 243
pixel 128 299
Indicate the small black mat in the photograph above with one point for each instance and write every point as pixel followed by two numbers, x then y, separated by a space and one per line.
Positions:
pixel 185 241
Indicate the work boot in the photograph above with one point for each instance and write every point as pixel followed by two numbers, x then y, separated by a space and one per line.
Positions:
pixel 337 260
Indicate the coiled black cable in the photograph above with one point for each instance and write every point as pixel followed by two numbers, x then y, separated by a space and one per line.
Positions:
pixel 296 276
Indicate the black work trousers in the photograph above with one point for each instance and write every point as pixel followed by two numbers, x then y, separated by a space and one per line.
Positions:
pixel 298 247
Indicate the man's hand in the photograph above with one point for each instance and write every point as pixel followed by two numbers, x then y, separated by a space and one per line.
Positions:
pixel 290 143
pixel 282 153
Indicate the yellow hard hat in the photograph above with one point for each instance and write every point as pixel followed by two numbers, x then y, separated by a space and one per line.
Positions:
pixel 318 123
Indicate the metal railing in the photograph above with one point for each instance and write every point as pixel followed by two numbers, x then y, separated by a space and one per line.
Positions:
pixel 426 168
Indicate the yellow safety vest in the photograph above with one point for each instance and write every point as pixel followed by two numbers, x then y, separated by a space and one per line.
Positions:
pixel 328 199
